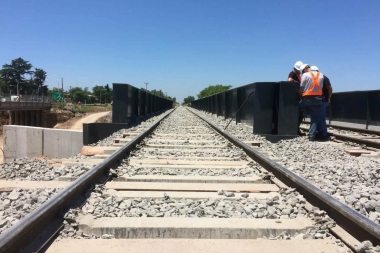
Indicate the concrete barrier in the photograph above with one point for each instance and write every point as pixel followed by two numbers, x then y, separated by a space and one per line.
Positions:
pixel 24 141
pixel 61 143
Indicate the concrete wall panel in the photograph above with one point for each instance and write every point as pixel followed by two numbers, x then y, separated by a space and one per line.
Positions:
pixel 60 143
pixel 24 141
pixel 9 145
pixel 50 142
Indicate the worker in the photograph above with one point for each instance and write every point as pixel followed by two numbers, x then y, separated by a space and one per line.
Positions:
pixel 294 75
pixel 326 98
pixel 311 93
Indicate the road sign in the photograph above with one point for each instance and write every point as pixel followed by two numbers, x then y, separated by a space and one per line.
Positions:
pixel 57 96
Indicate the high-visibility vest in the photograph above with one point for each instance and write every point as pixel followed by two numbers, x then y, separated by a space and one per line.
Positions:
pixel 314 89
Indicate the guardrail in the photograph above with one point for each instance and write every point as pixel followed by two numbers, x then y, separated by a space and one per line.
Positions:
pixel 361 107
pixel 271 108
pixel 26 102
pixel 129 102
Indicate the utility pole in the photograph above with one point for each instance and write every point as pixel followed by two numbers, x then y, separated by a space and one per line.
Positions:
pixel 63 103
pixel 146 86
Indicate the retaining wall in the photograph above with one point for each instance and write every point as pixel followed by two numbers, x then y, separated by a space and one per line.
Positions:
pixel 24 141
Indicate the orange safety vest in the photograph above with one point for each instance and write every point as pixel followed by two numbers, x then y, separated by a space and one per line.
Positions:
pixel 315 89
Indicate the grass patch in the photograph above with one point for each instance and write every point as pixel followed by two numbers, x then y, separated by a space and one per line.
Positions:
pixel 89 108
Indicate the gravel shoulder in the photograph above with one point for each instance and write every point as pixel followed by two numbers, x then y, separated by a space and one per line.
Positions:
pixel 1 152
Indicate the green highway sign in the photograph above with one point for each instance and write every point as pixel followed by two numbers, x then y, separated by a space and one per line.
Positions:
pixel 57 96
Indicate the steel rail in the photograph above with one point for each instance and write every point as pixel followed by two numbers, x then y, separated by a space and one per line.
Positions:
pixel 354 129
pixel 343 137
pixel 19 236
pixel 350 220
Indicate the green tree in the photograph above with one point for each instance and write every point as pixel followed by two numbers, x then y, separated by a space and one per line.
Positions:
pixel 213 89
pixel 188 100
pixel 39 76
pixel 28 87
pixel 158 93
pixel 97 90
pixel 2 84
pixel 78 94
pixel 15 72
pixel 101 93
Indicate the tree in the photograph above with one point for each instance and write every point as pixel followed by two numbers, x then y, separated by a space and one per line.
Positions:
pixel 158 93
pixel 3 84
pixel 101 93
pixel 39 79
pixel 79 94
pixel 15 72
pixel 188 100
pixel 213 89
pixel 28 87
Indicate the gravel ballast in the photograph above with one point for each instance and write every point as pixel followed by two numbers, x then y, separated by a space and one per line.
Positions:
pixel 18 203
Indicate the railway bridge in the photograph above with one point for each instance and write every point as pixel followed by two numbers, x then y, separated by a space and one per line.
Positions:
pixel 188 179
pixel 28 110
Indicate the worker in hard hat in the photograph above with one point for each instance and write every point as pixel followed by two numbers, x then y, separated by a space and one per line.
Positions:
pixel 326 97
pixel 295 75
pixel 311 93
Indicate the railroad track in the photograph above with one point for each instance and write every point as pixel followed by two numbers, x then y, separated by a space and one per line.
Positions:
pixel 185 178
pixel 369 138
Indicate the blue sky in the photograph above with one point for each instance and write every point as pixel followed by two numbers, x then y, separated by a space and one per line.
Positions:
pixel 182 46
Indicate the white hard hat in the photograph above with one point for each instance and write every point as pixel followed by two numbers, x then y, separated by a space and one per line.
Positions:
pixel 314 68
pixel 303 67
pixel 298 65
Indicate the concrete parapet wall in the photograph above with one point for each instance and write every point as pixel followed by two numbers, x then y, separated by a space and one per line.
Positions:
pixel 24 141
pixel 60 143
pixel 20 141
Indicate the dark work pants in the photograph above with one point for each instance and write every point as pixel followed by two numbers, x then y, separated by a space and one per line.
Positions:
pixel 312 105
pixel 314 118
pixel 321 126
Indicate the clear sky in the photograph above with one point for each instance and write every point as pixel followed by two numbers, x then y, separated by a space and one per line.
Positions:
pixel 182 46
